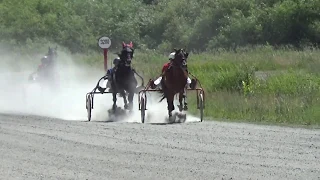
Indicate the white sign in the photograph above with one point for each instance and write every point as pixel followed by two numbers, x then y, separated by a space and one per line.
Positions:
pixel 104 42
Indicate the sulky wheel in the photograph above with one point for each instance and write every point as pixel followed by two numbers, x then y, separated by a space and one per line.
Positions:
pixel 89 106
pixel 201 105
pixel 143 108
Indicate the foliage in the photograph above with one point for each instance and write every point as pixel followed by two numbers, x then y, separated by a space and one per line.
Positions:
pixel 151 24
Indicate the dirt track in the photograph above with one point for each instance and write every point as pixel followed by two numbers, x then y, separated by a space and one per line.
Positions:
pixel 34 147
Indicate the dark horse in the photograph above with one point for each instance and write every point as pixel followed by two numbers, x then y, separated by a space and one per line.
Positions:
pixel 51 64
pixel 123 80
pixel 175 80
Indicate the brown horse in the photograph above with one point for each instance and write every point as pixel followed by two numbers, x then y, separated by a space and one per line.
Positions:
pixel 174 80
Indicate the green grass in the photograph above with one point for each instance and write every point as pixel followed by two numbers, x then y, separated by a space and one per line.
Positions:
pixel 260 86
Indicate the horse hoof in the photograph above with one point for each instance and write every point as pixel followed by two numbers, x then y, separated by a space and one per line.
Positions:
pixel 114 107
pixel 185 117
pixel 172 118
pixel 130 107
pixel 120 112
pixel 182 117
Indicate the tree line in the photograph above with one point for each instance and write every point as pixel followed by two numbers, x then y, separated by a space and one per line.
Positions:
pixel 199 25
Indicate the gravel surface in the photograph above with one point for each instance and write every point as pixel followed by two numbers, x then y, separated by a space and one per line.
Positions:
pixel 34 147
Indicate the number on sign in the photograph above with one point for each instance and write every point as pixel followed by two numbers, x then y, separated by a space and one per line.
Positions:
pixel 104 41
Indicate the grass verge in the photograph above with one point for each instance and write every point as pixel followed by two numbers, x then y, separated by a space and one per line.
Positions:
pixel 259 86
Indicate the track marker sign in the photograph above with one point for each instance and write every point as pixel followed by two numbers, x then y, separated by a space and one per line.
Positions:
pixel 104 43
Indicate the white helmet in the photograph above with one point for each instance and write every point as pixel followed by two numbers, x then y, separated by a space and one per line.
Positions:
pixel 44 58
pixel 171 55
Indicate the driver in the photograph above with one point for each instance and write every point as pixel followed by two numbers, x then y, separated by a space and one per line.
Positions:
pixel 165 67
pixel 110 72
pixel 44 63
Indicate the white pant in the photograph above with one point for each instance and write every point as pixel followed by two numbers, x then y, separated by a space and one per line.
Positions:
pixel 157 82
pixel 104 83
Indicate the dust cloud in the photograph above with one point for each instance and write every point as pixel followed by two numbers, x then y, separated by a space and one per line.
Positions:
pixel 18 96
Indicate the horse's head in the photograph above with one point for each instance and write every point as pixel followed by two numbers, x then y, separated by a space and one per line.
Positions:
pixel 52 52
pixel 180 58
pixel 126 54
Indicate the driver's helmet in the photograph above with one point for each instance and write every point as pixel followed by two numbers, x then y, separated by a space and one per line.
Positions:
pixel 171 55
pixel 44 59
pixel 116 61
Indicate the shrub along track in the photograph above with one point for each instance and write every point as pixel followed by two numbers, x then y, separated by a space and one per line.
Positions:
pixel 34 147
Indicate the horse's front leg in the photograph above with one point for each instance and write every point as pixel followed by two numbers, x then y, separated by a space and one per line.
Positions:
pixel 131 91
pixel 123 94
pixel 183 96
pixel 170 98
pixel 114 106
